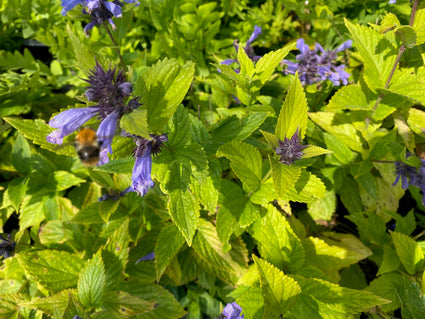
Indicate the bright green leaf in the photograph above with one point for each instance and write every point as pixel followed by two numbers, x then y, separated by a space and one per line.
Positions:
pixel 136 123
pixel 91 283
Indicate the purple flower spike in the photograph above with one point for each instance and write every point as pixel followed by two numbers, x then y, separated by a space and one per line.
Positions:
pixel 254 35
pixel 150 256
pixel 69 121
pixel 290 150
pixel 404 172
pixel 68 5
pixel 233 311
pixel 392 1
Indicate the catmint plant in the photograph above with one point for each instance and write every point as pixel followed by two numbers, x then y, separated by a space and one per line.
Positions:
pixel 232 311
pixel 99 10
pixel 110 90
pixel 313 67
pixel 290 149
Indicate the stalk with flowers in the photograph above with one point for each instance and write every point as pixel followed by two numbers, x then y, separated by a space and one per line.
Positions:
pixel 254 162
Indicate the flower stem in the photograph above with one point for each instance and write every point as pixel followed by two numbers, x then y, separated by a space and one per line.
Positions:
pixel 399 55
pixel 117 49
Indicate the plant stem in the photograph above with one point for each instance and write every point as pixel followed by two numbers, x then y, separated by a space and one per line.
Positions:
pixel 117 49
pixel 399 55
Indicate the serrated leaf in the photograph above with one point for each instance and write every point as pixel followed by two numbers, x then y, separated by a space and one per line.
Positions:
pixel 271 139
pixel 349 97
pixel 88 215
pixel 179 125
pixel 377 53
pixel 293 114
pixel 307 188
pixel 246 163
pixel 313 150
pixel 416 120
pixel 126 305
pixel 419 26
pixel 136 123
pixel 48 305
pixel 322 299
pixel 342 129
pixel 163 87
pixel 61 180
pixel 21 155
pixel 169 242
pixel 284 177
pixel 91 283
pixel 37 131
pixel 121 166
pixel 107 208
pixel 247 66
pixel 407 35
pixel 390 21
pixel 55 270
pixel 390 261
pixel 277 241
pixel 408 83
pixel 32 211
pixel 228 266
pixel 16 190
pixel 82 53
pixel 280 292
pixel 252 302
pixel 409 252
pixel 268 63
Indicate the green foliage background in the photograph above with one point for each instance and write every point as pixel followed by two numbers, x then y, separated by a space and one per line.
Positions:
pixel 227 221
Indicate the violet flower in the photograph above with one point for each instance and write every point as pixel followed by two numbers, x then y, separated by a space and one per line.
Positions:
pixel 141 180
pixel 290 150
pixel 313 68
pixel 99 10
pixel 109 90
pixel 248 48
pixel 150 256
pixel 232 311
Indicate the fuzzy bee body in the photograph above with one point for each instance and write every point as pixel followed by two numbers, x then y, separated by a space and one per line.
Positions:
pixel 7 246
pixel 87 146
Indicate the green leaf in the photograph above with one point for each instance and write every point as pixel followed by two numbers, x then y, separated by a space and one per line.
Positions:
pixel 323 208
pixel 268 63
pixel 168 243
pixel 107 208
pixel 340 127
pixel 247 67
pixel 228 266
pixel 48 305
pixel 246 163
pixel 136 123
pixel 307 188
pixel 88 215
pixel 313 150
pixel 407 35
pixel 349 97
pixel 332 255
pixel 271 139
pixel 416 120
pixel 408 83
pixel 32 211
pixel 377 53
pixel 293 114
pixel 62 180
pixel 277 241
pixel 390 261
pixel 55 270
pixel 21 155
pixel 284 177
pixel 82 53
pixel 322 299
pixel 16 190
pixel 91 283
pixel 163 87
pixel 118 166
pixel 280 292
pixel 36 131
pixel 179 128
pixel 409 252
pixel 126 305
pixel 419 26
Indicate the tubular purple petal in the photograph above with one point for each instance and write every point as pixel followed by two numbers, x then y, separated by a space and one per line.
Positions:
pixel 254 35
pixel 69 5
pixel 87 28
pixel 141 177
pixel 70 120
pixel 132 1
pixel 346 45
pixel 92 4
pixel 54 137
pixel 232 311
pixel 302 46
pixel 106 130
pixel 113 8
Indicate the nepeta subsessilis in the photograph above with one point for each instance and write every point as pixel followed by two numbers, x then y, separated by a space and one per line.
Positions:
pixel 313 68
pixel 232 311
pixel 99 10
pixel 290 150
pixel 109 91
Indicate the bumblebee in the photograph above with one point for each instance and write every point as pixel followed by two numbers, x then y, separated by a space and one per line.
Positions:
pixel 7 246
pixel 87 146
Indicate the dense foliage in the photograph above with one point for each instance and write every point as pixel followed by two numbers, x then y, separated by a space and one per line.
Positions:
pixel 258 159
